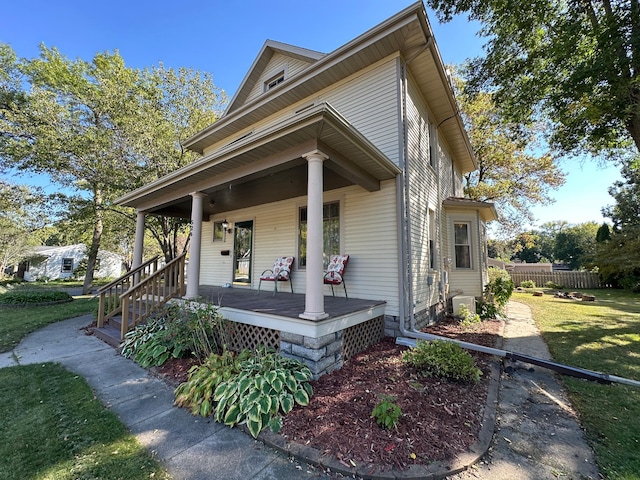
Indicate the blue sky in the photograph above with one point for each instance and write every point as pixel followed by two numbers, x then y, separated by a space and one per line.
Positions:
pixel 224 36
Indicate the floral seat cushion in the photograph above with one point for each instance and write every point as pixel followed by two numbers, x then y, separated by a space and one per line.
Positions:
pixel 281 270
pixel 335 270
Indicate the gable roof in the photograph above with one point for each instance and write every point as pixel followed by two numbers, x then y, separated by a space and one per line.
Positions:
pixel 269 49
pixel 407 32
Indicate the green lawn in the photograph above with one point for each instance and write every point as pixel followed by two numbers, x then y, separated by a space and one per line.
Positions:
pixel 602 336
pixel 53 427
pixel 17 322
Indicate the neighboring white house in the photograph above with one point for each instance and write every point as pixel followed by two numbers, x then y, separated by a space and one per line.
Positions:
pixel 359 151
pixel 60 262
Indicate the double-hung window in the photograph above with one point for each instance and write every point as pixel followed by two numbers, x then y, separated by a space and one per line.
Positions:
pixel 67 265
pixel 330 232
pixel 462 245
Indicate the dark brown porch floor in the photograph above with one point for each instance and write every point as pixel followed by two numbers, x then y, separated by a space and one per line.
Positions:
pixel 284 304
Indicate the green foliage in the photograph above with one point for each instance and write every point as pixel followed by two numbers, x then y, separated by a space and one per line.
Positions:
pixel 573 63
pixel 467 317
pixel 53 426
pixel 496 293
pixel 197 392
pixel 27 296
pixel 528 284
pixel 386 413
pixel 442 358
pixel 179 330
pixel 141 334
pixel 553 285
pixel 266 385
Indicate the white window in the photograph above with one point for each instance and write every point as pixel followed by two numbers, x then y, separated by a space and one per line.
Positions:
pixel 274 81
pixel 67 265
pixel 331 232
pixel 432 238
pixel 462 245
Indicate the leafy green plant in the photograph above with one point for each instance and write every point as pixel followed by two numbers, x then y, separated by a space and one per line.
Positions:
pixel 496 293
pixel 141 334
pixel 386 413
pixel 197 392
pixel 28 297
pixel 466 316
pixel 445 359
pixel 154 352
pixel 266 385
pixel 528 284
pixel 553 285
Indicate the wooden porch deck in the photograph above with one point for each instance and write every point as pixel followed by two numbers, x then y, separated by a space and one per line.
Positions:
pixel 284 304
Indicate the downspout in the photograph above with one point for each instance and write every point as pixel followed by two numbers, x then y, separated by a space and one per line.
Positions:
pixel 404 211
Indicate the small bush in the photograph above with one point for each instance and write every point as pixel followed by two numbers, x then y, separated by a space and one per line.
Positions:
pixel 445 359
pixel 28 297
pixel 467 317
pixel 386 413
pixel 528 284
pixel 496 293
pixel 553 285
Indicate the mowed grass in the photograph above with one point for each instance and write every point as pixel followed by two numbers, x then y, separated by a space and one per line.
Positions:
pixel 603 336
pixel 17 322
pixel 53 427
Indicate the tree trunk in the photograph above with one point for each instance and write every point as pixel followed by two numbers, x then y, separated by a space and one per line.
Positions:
pixel 633 126
pixel 95 244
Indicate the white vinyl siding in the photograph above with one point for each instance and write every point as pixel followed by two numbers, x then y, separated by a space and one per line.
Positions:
pixel 354 99
pixel 465 281
pixel 278 63
pixel 373 266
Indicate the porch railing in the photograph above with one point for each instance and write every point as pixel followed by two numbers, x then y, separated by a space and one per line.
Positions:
pixel 109 303
pixel 148 295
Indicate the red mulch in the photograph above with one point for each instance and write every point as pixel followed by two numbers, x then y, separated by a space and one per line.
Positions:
pixel 440 418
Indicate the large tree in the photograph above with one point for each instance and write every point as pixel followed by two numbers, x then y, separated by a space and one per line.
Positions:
pixel 73 126
pixel 575 63
pixel 514 172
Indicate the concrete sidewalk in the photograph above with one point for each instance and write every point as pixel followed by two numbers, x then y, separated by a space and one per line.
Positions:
pixel 536 432
pixel 191 448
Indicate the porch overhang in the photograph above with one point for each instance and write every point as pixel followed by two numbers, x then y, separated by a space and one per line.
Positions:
pixel 267 165
pixel 486 210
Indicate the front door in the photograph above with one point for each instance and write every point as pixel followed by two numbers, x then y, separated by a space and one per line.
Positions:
pixel 242 241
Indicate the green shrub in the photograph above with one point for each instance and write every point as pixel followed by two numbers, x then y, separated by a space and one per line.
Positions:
pixel 553 285
pixel 445 359
pixel 197 392
pixel 466 316
pixel 386 413
pixel 28 297
pixel 528 284
pixel 266 385
pixel 496 293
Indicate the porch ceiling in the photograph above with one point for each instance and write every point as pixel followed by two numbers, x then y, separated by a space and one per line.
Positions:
pixel 267 166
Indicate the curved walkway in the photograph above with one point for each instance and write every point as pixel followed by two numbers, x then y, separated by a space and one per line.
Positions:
pixel 536 434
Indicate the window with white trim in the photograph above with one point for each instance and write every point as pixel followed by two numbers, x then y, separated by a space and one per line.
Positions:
pixel 67 265
pixel 462 245
pixel 431 214
pixel 274 81
pixel 330 229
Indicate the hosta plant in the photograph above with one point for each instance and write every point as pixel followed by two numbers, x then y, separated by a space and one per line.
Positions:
pixel 140 335
pixel 197 392
pixel 266 385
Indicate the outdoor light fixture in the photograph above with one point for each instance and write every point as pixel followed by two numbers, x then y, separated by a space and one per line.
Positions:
pixel 225 226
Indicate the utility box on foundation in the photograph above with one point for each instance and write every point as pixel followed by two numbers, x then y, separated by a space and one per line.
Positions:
pixel 467 300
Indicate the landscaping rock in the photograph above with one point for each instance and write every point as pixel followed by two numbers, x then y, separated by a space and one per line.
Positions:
pixel 538 293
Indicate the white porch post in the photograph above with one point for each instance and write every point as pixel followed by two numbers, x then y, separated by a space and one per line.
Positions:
pixel 314 299
pixel 193 269
pixel 138 246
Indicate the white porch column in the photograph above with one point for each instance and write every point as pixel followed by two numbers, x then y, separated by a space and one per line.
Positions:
pixel 314 299
pixel 138 246
pixel 193 269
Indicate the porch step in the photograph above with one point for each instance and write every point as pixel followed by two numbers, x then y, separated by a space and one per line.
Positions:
pixel 109 334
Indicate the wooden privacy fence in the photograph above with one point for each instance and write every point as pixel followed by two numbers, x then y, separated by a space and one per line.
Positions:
pixel 567 280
